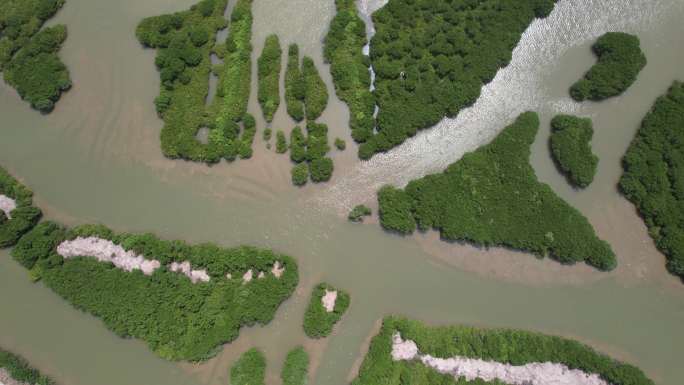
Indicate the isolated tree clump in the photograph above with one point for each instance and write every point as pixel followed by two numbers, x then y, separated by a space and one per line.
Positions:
pixel 571 148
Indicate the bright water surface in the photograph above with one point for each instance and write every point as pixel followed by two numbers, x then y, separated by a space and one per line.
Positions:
pixel 96 158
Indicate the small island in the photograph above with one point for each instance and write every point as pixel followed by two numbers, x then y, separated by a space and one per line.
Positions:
pixel 358 212
pixel 410 352
pixel 571 148
pixel 326 307
pixel 250 369
pixel 309 154
pixel 491 197
pixel 620 60
pixel 28 55
pixel 17 213
pixel 296 367
pixel 269 77
pixel 653 177
pixel 15 370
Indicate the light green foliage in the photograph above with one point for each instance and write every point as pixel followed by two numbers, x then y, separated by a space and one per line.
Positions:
pixel 570 147
pixel 492 197
pixel 620 60
pixel 28 55
pixel 269 77
pixel 300 174
pixel 20 370
pixel 316 93
pixel 24 217
pixel 295 87
pixel 267 134
pixel 358 212
pixel 281 142
pixel 349 67
pixel 653 176
pixel 183 60
pixel 340 144
pixel 250 369
pixel 515 347
pixel 177 319
pixel 318 323
pixel 296 367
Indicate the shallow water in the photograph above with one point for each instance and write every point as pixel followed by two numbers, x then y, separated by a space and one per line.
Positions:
pixel 96 158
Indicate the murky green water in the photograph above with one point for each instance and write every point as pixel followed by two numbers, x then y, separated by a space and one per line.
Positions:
pixel 96 158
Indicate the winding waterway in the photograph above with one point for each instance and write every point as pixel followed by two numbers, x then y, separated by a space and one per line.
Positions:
pixel 96 158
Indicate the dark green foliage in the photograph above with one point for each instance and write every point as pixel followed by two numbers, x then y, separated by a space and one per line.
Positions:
pixel 281 142
pixel 267 134
pixel 321 169
pixel 358 212
pixel 20 370
pixel 620 60
pixel 430 59
pixel 653 176
pixel 295 87
pixel 492 197
pixel 318 323
pixel 269 77
pixel 340 144
pixel 24 217
pixel 300 174
pixel 297 145
pixel 316 93
pixel 349 67
pixel 570 148
pixel 28 55
pixel 184 41
pixel 296 367
pixel 514 347
pixel 178 320
pixel 250 369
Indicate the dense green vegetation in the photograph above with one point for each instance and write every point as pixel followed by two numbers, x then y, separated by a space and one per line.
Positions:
pixel 20 370
pixel 653 176
pixel 179 320
pixel 620 60
pixel 430 57
pixel 315 91
pixel 250 369
pixel 28 56
pixel 281 142
pixel 295 88
pixel 515 347
pixel 296 367
pixel 492 197
pixel 24 217
pixel 269 77
pixel 318 323
pixel 570 148
pixel 311 149
pixel 185 41
pixel 358 212
pixel 300 174
pixel 349 67
pixel 340 144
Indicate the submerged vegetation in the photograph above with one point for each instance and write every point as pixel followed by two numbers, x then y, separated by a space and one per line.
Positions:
pixel 185 41
pixel 23 217
pixel 570 148
pixel 653 176
pixel 28 55
pixel 20 370
pixel 249 369
pixel 178 319
pixel 269 77
pixel 430 59
pixel 515 347
pixel 296 367
pixel 492 197
pixel 620 60
pixel 318 321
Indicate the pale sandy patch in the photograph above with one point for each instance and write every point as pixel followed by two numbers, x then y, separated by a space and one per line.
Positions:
pixel 105 250
pixel 7 205
pixel 194 275
pixel 329 299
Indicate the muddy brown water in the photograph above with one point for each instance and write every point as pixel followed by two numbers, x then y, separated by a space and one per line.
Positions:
pixel 96 158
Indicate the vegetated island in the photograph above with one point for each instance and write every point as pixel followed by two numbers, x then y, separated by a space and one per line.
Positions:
pixel 309 154
pixel 430 59
pixel 15 370
pixel 296 367
pixel 269 77
pixel 492 197
pixel 571 149
pixel 184 301
pixel 28 55
pixel 249 369
pixel 305 92
pixel 620 60
pixel 326 307
pixel 185 41
pixel 653 177
pixel 358 212
pixel 409 352
pixel 17 213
